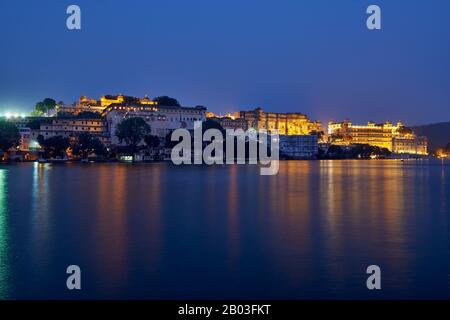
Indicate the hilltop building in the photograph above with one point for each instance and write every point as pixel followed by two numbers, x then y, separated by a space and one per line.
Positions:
pixel 99 106
pixel 233 116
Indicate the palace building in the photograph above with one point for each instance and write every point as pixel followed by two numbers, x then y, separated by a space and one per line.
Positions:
pixel 93 105
pixel 230 123
pixel 396 138
pixel 73 127
pixel 115 108
pixel 161 119
pixel 284 123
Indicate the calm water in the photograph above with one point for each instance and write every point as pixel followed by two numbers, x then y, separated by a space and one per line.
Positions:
pixel 163 232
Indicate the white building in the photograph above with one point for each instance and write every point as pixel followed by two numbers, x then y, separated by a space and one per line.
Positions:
pixel 72 127
pixel 299 146
pixel 161 119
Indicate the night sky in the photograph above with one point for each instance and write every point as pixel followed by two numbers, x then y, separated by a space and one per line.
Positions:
pixel 311 56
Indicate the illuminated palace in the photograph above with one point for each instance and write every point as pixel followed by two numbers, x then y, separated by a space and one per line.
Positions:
pixel 297 133
pixel 93 105
pixel 284 123
pixel 162 119
pixel 395 138
pixel 228 121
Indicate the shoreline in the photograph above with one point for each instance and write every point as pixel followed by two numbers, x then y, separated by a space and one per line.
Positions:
pixel 90 162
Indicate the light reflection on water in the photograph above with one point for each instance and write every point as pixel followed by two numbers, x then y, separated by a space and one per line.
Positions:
pixel 4 237
pixel 160 231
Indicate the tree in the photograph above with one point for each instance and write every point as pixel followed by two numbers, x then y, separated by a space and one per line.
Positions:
pixel 365 151
pixel 43 107
pixel 168 143
pixel 167 101
pixel 151 141
pixel 356 151
pixel 54 146
pixel 132 131
pixel 86 144
pixel 9 135
pixel 36 113
pixel 39 109
pixel 49 103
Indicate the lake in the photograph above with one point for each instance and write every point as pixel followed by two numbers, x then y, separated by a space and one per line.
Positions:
pixel 158 231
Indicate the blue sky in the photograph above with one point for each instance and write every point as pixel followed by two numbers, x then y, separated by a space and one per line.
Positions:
pixel 310 56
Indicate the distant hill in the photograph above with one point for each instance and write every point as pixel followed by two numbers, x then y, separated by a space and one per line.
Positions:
pixel 438 134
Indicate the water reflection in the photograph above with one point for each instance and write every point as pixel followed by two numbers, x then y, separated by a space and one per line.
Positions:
pixel 5 272
pixel 111 232
pixel 40 212
pixel 233 218
pixel 160 231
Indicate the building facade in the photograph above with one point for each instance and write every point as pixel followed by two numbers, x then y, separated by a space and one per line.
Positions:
pixel 410 145
pixel 284 123
pixel 27 135
pixel 161 119
pixel 92 105
pixel 25 138
pixel 396 138
pixel 299 146
pixel 73 127
pixel 230 123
